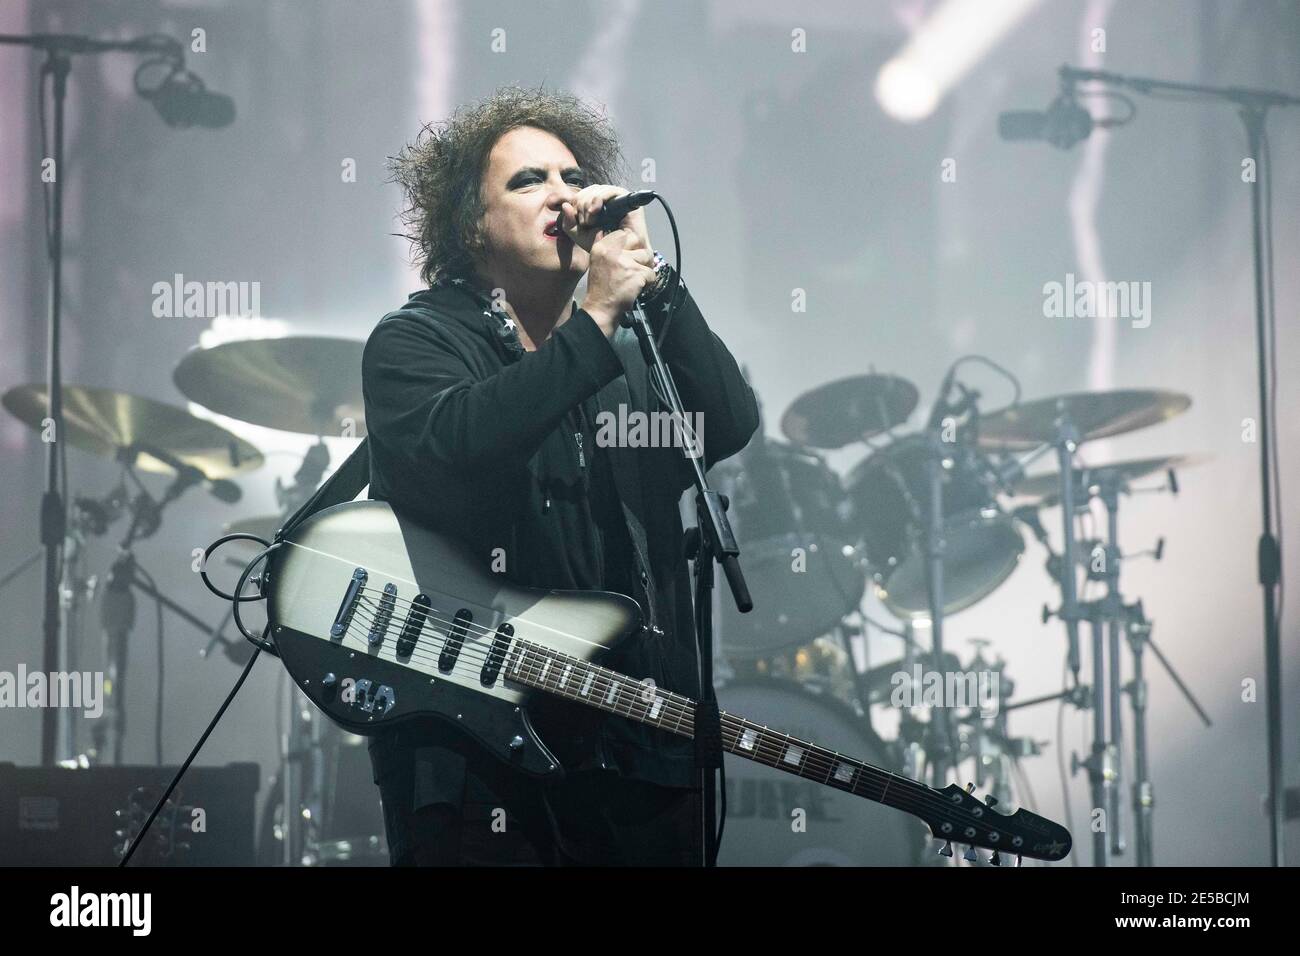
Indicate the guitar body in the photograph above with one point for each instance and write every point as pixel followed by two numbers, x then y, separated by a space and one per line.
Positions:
pixel 419 636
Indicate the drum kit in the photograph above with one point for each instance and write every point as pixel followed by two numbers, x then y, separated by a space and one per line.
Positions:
pixel 928 523
pixel 921 523
pixel 324 808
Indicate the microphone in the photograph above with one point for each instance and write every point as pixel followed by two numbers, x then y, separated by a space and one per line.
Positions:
pixel 1062 124
pixel 183 101
pixel 941 407
pixel 613 210
pixel 186 474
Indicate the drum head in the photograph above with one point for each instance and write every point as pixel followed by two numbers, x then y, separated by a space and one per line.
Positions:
pixel 802 587
pixel 790 514
pixel 890 492
pixel 980 553
pixel 764 826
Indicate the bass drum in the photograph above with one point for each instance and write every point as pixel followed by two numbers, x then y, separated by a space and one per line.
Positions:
pixel 353 827
pixel 838 829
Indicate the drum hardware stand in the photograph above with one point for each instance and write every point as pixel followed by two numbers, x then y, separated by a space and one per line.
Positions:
pixel 117 608
pixel 981 736
pixel 937 460
pixel 76 592
pixel 303 793
pixel 1106 618
pixel 1138 632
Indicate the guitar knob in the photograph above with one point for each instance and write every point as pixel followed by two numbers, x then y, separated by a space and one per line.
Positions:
pixel 995 859
pixel 517 743
pixel 947 848
pixel 970 856
pixel 991 801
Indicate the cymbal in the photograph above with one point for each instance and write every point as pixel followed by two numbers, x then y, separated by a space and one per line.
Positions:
pixel 104 421
pixel 1094 415
pixel 849 410
pixel 1047 487
pixel 304 384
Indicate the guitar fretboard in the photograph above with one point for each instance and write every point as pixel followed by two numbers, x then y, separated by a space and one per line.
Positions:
pixel 572 678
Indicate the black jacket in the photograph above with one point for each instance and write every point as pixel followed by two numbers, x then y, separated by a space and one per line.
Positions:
pixel 475 437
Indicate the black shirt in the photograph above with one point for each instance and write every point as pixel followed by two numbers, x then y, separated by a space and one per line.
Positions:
pixel 474 437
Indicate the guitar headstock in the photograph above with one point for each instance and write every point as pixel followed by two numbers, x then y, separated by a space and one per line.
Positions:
pixel 957 816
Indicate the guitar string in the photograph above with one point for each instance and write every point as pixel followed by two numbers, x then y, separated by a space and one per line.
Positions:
pixel 915 792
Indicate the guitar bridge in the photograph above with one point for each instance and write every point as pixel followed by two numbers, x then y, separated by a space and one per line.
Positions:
pixel 351 598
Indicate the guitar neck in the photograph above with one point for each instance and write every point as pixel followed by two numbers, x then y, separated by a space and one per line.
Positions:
pixel 571 678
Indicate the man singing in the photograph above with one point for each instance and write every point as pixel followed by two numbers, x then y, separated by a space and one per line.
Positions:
pixel 482 395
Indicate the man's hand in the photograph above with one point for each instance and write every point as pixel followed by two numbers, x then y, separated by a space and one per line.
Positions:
pixel 620 260
pixel 583 209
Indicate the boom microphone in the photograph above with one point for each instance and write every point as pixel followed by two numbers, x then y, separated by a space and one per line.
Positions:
pixel 1062 124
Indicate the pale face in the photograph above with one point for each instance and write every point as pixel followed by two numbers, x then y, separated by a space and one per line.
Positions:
pixel 530 174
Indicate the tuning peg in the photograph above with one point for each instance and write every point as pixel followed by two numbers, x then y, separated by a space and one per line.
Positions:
pixel 970 788
pixel 990 801
pixel 970 856
pixel 947 848
pixel 995 859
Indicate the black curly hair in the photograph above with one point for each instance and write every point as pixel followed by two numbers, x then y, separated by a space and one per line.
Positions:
pixel 441 172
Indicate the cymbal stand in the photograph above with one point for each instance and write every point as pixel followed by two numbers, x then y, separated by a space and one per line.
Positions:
pixel 302 756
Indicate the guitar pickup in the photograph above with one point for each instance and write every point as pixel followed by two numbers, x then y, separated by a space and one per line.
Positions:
pixel 414 625
pixel 497 655
pixel 351 598
pixel 455 640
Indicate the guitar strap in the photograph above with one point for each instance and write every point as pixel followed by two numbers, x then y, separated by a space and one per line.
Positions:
pixel 344 485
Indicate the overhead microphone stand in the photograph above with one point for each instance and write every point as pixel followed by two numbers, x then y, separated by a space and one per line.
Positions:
pixel 1254 106
pixel 59 50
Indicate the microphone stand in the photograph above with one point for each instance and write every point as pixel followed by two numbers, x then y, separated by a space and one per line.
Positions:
pixel 946 748
pixel 713 541
pixel 1254 106
pixel 59 50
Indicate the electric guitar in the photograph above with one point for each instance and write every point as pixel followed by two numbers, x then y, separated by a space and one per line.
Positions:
pixel 377 620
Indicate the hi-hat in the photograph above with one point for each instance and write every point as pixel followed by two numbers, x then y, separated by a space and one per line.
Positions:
pixel 304 384
pixel 849 410
pixel 107 422
pixel 1093 415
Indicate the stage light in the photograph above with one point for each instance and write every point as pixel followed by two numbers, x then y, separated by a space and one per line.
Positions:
pixel 942 50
